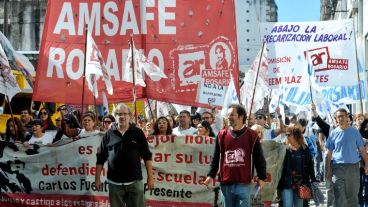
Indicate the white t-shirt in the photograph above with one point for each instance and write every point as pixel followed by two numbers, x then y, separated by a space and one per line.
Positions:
pixel 44 140
pixel 83 133
pixel 178 131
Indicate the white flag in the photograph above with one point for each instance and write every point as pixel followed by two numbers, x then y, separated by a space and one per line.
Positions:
pixel 246 91
pixel 231 97
pixel 163 108
pixel 95 67
pixel 8 84
pixel 105 104
pixel 138 72
pixel 152 70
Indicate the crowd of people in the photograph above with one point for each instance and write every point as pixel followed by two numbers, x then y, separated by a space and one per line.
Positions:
pixel 317 151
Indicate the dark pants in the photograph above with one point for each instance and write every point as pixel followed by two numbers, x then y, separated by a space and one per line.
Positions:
pixel 127 195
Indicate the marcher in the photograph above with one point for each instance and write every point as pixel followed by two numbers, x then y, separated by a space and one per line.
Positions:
pixel 185 123
pixel 162 126
pixel 123 146
pixel 298 168
pixel 237 149
pixel 343 145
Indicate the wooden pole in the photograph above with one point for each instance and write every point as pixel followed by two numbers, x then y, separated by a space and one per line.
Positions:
pixel 360 87
pixel 255 84
pixel 133 73
pixel 84 71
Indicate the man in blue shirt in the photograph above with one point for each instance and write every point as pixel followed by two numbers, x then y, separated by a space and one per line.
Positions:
pixel 344 145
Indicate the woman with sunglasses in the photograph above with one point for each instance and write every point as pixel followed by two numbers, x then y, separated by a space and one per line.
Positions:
pixel 298 168
pixel 45 117
pixel 107 120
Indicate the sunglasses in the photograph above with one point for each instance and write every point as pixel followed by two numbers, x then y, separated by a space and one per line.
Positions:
pixel 107 122
pixel 43 113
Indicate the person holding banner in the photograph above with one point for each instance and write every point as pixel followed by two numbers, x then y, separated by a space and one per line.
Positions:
pixel 123 146
pixel 237 149
pixel 342 161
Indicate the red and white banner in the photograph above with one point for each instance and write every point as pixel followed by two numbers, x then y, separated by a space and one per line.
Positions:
pixel 64 174
pixel 181 37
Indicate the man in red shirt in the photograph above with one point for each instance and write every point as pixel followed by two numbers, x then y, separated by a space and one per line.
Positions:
pixel 237 149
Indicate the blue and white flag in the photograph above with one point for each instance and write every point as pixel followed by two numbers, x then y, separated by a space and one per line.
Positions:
pixel 231 97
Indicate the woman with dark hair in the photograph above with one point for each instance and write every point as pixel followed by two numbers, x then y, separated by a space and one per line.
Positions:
pixel 162 127
pixel 298 168
pixel 88 123
pixel 204 129
pixel 15 133
pixel 45 117
pixel 107 120
pixel 172 121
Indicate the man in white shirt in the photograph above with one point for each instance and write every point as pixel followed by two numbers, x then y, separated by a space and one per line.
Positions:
pixel 184 127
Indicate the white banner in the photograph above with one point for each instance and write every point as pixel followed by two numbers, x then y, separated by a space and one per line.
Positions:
pixel 64 174
pixel 330 46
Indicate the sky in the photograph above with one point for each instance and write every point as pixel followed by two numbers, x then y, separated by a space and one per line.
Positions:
pixel 298 10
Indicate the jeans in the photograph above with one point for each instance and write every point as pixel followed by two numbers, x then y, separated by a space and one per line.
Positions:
pixel 290 199
pixel 127 195
pixel 345 180
pixel 235 195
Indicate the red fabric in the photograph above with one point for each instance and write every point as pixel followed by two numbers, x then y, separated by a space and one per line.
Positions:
pixel 183 45
pixel 236 164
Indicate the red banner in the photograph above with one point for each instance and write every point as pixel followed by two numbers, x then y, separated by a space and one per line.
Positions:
pixel 186 38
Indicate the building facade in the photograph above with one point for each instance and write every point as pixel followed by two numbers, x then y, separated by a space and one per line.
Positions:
pixel 249 15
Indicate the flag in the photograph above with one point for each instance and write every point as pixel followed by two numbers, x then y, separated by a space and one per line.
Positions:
pixel 8 84
pixel 95 67
pixel 231 97
pixel 141 63
pixel 105 104
pixel 138 72
pixel 20 62
pixel 163 108
pixel 152 70
pixel 246 91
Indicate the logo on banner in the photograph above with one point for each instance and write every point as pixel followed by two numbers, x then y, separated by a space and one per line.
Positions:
pixel 10 171
pixel 210 64
pixel 321 60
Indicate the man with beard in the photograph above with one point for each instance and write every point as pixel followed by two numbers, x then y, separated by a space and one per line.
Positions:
pixel 237 149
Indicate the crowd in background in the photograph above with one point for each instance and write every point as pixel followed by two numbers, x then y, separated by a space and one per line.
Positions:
pixel 305 136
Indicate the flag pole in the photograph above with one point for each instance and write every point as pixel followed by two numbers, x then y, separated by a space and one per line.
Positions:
pixel 95 103
pixel 360 87
pixel 133 73
pixel 84 71
pixel 309 75
pixel 268 107
pixel 255 84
